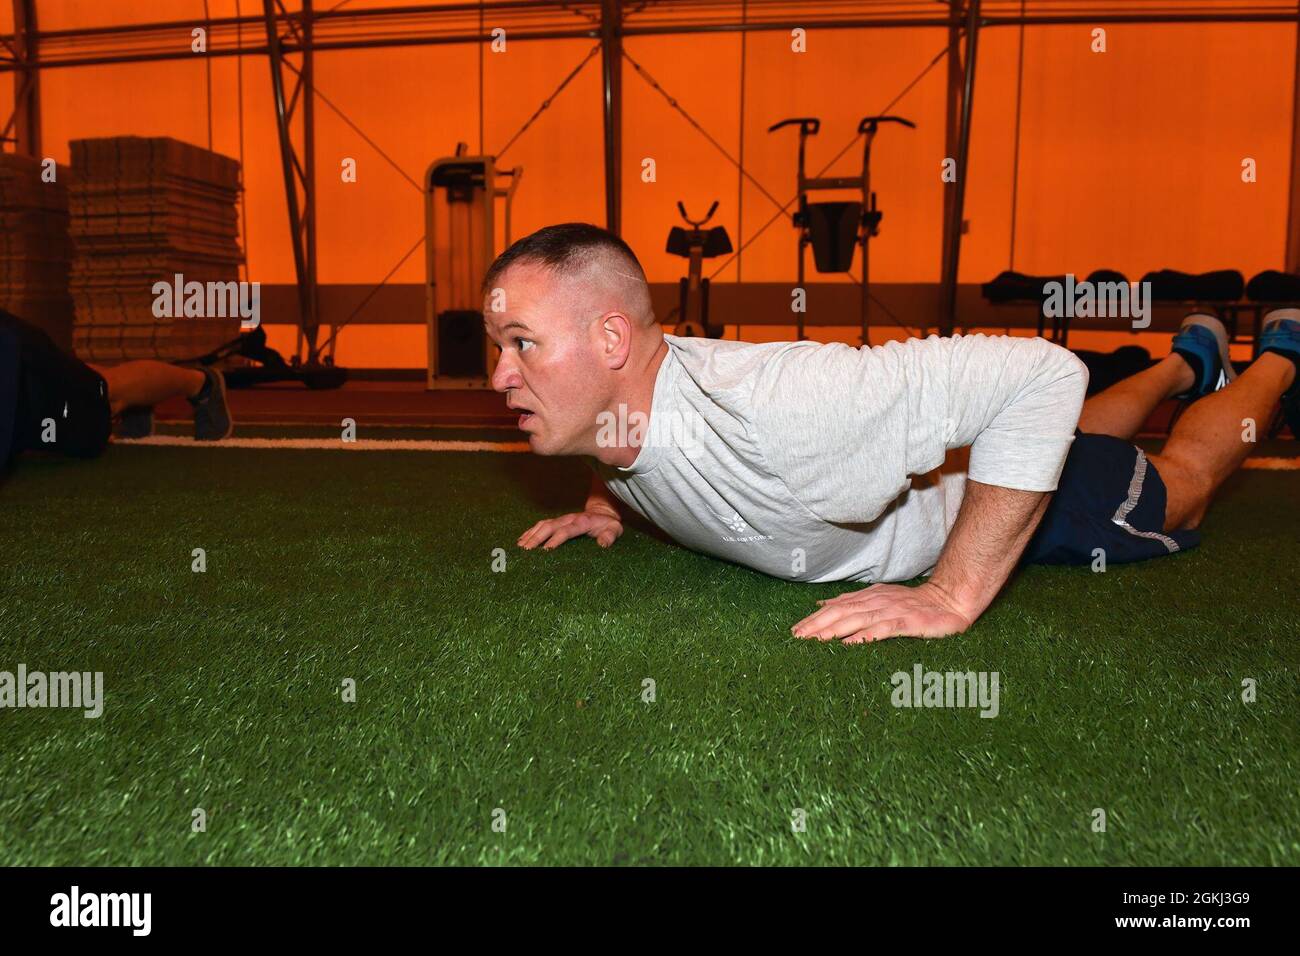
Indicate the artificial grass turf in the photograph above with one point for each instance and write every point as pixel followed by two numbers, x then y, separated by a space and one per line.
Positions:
pixel 522 690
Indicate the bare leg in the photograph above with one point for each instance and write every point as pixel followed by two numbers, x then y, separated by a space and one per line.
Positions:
pixel 1208 443
pixel 1122 409
pixel 145 383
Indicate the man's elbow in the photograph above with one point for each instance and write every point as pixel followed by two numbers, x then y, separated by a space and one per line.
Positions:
pixel 1073 376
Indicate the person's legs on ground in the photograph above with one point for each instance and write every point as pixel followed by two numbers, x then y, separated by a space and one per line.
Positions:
pixel 135 387
pixel 1198 365
pixel 1209 442
pixel 1122 409
pixel 145 383
pixel 1114 500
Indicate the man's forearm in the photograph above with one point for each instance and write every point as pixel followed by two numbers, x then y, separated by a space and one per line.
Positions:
pixel 993 527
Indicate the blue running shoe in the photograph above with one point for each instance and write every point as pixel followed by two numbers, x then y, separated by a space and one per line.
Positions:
pixel 1281 334
pixel 1203 342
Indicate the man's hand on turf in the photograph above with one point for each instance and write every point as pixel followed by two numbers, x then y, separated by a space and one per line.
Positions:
pixel 883 611
pixel 993 526
pixel 553 532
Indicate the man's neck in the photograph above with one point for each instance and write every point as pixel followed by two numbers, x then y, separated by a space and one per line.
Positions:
pixel 634 410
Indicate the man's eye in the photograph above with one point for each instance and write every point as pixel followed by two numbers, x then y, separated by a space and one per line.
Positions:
pixel 524 345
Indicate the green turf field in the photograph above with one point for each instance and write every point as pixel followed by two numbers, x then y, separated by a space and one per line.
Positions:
pixel 522 690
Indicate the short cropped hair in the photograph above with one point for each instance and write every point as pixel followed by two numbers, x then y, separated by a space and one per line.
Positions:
pixel 569 249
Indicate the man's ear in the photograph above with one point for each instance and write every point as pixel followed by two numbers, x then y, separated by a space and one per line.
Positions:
pixel 614 330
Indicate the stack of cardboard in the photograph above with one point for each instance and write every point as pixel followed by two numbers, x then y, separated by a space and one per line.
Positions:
pixel 35 250
pixel 143 212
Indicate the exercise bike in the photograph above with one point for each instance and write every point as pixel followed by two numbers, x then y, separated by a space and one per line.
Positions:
pixel 696 244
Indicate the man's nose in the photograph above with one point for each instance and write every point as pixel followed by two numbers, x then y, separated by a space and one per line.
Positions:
pixel 505 376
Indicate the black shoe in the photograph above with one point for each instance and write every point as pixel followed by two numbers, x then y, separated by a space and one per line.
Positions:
pixel 211 413
pixel 135 423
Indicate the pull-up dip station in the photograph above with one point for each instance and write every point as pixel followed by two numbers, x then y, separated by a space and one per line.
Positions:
pixel 834 228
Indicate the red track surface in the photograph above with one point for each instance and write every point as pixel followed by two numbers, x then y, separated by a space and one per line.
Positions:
pixel 374 403
pixel 407 403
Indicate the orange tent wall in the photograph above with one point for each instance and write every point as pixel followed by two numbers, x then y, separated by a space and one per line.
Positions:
pixel 1129 159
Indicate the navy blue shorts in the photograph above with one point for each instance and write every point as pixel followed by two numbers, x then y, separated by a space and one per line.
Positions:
pixel 41 384
pixel 1110 497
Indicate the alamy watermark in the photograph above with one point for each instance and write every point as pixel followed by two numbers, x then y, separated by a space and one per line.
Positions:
pixel 1105 300
pixel 79 690
pixel 923 688
pixel 130 910
pixel 208 300
pixel 624 429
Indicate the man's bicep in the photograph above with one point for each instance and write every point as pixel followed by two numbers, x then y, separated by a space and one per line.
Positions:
pixel 1022 437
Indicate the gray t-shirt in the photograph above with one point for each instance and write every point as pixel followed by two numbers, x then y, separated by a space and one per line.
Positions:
pixel 815 462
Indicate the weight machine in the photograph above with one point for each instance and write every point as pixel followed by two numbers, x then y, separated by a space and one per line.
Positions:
pixel 460 194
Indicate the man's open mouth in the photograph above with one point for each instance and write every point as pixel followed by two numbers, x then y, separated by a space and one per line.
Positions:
pixel 526 414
